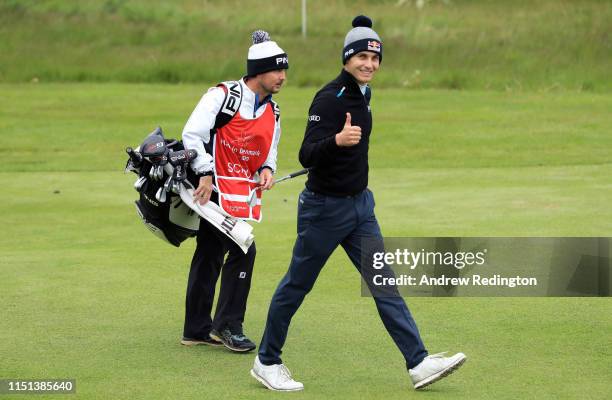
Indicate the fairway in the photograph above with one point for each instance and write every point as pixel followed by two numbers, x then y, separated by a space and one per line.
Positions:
pixel 87 293
pixel 491 119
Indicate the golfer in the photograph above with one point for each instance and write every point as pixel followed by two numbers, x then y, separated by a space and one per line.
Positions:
pixel 336 208
pixel 235 129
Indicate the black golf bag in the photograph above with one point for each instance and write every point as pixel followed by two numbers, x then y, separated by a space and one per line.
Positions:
pixel 162 165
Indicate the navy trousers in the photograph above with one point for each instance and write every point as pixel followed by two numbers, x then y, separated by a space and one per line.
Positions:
pixel 212 246
pixel 324 222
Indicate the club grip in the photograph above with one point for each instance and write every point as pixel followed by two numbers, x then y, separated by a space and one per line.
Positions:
pixel 135 156
pixel 298 173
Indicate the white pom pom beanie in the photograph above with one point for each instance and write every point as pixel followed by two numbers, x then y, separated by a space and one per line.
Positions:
pixel 265 55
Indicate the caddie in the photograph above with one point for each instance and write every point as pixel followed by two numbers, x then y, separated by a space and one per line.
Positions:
pixel 337 209
pixel 235 129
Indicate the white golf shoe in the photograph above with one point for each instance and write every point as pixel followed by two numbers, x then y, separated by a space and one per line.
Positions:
pixel 434 368
pixel 275 377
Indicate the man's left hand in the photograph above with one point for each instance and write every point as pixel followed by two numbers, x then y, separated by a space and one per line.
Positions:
pixel 266 179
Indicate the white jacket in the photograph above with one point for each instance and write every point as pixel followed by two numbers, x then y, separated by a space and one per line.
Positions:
pixel 202 120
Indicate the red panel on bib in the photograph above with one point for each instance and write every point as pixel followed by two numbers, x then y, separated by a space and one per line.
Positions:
pixel 241 147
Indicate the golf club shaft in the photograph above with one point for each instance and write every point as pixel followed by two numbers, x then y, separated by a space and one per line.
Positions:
pixel 290 176
pixel 293 175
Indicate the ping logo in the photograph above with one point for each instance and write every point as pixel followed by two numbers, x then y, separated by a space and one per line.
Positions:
pixel 314 118
pixel 282 60
pixel 233 99
pixel 348 52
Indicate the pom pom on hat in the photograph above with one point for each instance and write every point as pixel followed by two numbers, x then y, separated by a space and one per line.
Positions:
pixel 362 20
pixel 260 36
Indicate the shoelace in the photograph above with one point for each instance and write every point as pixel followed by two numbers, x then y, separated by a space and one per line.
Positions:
pixel 234 336
pixel 284 373
pixel 438 355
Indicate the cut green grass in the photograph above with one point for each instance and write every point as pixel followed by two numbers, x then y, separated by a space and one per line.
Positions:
pixel 88 293
pixel 552 45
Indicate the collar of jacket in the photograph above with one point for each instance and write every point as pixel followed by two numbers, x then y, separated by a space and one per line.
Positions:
pixel 251 100
pixel 345 79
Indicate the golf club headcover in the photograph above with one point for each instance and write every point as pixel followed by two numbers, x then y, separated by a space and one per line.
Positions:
pixel 154 147
pixel 182 157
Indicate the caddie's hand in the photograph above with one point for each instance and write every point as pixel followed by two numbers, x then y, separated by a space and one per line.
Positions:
pixel 350 135
pixel 202 193
pixel 266 179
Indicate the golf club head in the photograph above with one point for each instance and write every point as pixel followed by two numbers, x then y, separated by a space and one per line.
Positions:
pixel 168 184
pixel 176 187
pixel 159 172
pixel 152 172
pixel 161 195
pixel 139 182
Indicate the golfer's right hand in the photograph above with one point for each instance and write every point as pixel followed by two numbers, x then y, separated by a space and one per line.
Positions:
pixel 202 193
pixel 349 135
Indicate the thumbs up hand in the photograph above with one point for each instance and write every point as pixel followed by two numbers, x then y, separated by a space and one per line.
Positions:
pixel 348 119
pixel 350 135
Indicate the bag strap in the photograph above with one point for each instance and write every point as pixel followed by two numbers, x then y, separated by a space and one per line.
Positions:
pixel 231 103
pixel 276 110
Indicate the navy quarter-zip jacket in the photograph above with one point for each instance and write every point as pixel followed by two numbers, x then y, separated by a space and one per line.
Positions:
pixel 338 171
